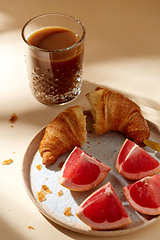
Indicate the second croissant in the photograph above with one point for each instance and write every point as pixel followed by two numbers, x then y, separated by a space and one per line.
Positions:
pixel 113 111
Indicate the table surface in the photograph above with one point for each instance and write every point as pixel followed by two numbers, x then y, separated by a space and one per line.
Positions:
pixel 122 52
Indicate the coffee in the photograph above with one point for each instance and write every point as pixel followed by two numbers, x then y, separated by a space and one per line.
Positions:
pixel 55 73
pixel 53 38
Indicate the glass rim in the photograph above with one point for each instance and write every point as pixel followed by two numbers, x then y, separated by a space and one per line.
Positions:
pixel 56 50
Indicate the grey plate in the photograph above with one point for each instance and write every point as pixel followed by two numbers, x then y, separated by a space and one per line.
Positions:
pixel 105 148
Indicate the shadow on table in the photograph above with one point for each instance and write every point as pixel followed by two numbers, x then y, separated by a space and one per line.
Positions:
pixel 81 236
pixel 39 115
pixel 10 232
pixel 69 232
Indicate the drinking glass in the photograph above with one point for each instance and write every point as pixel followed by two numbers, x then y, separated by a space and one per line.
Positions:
pixel 55 75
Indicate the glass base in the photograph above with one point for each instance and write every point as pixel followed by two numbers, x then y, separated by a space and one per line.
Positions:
pixel 57 99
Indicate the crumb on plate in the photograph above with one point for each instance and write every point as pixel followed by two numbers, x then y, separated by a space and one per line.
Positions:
pixel 67 211
pixel 60 193
pixel 42 193
pixel 39 167
pixel 41 196
pixel 46 189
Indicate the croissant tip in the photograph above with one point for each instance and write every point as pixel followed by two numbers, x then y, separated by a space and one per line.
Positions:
pixel 48 161
pixel 140 141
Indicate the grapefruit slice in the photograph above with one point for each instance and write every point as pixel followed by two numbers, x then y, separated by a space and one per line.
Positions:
pixel 82 172
pixel 103 210
pixel 134 163
pixel 144 195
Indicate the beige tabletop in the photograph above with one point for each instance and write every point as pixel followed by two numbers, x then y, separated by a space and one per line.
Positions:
pixel 122 52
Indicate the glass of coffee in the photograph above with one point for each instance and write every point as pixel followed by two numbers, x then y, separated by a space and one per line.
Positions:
pixel 54 49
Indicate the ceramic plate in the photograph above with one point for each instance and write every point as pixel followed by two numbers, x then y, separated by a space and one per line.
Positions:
pixel 105 148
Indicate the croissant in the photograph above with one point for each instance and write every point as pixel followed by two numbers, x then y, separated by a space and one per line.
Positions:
pixel 112 111
pixel 65 132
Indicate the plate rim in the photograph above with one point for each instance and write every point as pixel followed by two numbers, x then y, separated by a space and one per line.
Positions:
pixel 103 233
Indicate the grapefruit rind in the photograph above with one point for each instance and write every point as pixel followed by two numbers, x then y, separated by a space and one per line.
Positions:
pixel 78 164
pixel 99 205
pixel 144 193
pixel 141 164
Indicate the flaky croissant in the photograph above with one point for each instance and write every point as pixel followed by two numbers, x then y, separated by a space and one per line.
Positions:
pixel 114 112
pixel 65 132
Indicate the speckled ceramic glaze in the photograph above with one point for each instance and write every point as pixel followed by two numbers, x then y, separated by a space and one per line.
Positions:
pixel 105 148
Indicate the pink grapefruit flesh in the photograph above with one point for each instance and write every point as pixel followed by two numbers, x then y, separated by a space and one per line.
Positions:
pixel 144 195
pixel 134 163
pixel 103 210
pixel 82 172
